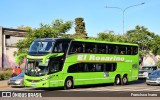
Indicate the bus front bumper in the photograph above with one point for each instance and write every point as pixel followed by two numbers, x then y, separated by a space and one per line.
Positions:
pixel 40 84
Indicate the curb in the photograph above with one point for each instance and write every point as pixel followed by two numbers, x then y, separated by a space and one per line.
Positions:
pixel 4 86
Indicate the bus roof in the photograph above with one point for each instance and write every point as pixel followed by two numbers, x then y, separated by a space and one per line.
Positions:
pixel 83 40
pixel 52 39
pixel 97 41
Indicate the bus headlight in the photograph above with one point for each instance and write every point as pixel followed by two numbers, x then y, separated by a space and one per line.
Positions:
pixel 46 78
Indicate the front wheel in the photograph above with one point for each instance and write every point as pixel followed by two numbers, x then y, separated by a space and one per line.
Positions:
pixel 69 83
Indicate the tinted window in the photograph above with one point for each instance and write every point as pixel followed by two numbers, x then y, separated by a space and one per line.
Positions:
pixel 101 48
pixel 129 50
pixel 92 67
pixel 90 48
pixel 76 47
pixel 61 46
pixel 55 66
pixel 112 49
pixel 135 50
pixel 122 49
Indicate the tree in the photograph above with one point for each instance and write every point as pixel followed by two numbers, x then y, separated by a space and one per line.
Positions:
pixel 55 29
pixel 110 37
pixel 106 36
pixel 22 27
pixel 141 36
pixel 80 28
pixel 156 45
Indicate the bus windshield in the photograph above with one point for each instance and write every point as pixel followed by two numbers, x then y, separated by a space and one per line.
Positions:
pixel 37 68
pixel 39 47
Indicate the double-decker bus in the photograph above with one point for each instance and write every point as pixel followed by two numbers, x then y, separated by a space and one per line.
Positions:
pixel 57 62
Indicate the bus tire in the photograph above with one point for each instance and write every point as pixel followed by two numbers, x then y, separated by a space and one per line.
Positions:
pixel 69 83
pixel 124 80
pixel 147 84
pixel 117 80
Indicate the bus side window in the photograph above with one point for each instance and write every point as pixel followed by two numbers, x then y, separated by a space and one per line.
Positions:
pixel 58 47
pixel 113 49
pixel 135 50
pixel 109 51
pixel 90 47
pixel 73 50
pixel 79 50
pixel 122 49
pixel 101 48
pixel 73 68
pixel 99 67
pixel 110 67
pixel 128 50
pixel 76 47
pixel 91 67
pixel 65 46
pixel 106 49
pixel 89 51
pixel 94 50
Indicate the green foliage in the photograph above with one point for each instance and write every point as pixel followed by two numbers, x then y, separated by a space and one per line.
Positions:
pixel 111 37
pixel 146 40
pixel 156 45
pixel 80 28
pixel 6 74
pixel 140 35
pixel 55 29
pixel 158 64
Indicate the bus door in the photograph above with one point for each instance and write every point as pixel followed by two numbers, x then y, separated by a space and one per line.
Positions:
pixel 86 74
pixel 101 75
pixel 134 71
pixel 54 69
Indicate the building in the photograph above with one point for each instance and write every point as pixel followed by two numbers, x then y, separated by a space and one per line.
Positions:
pixel 8 45
pixel 149 60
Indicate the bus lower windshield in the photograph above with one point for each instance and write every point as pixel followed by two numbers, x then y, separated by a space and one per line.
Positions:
pixel 36 68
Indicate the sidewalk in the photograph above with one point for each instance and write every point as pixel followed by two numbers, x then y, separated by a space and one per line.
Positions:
pixel 4 84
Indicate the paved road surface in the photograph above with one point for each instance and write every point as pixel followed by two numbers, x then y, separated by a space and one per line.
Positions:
pixel 107 88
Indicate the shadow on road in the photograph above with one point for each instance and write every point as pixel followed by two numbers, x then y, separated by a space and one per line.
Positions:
pixel 140 81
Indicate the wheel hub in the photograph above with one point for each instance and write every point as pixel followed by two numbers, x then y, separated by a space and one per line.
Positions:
pixel 69 83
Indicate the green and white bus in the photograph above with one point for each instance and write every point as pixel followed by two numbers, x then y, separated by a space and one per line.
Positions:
pixel 57 62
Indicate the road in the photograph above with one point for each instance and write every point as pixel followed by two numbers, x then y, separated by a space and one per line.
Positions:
pixel 138 85
pixel 105 91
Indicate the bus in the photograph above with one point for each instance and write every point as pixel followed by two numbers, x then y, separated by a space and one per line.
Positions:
pixel 61 62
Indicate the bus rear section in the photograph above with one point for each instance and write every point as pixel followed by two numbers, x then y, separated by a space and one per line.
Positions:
pixel 103 70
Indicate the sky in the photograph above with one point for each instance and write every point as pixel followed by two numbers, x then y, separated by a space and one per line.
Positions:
pixel 97 17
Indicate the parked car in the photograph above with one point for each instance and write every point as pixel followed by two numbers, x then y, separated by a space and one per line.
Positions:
pixel 17 81
pixel 146 70
pixel 153 78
